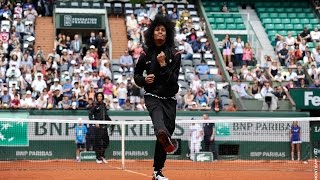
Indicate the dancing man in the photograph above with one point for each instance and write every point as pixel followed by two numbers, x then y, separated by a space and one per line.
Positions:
pixel 157 71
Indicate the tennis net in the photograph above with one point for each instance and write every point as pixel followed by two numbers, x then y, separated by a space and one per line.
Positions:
pixel 237 143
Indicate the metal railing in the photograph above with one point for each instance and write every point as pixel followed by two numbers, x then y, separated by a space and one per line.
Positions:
pixel 108 35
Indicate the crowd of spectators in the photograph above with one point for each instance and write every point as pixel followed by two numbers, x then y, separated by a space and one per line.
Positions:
pixel 296 65
pixel 77 68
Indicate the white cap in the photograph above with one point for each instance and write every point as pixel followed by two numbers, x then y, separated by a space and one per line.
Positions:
pixel 73 62
pixel 81 68
pixel 56 80
pixel 28 92
pixel 39 74
pixel 77 71
pixel 57 89
pixel 92 47
pixel 18 4
pixel 67 78
pixel 64 50
pixel 86 71
pixel 66 72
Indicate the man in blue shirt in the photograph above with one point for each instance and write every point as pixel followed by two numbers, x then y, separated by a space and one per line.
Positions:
pixel 202 68
pixel 81 131
pixel 67 88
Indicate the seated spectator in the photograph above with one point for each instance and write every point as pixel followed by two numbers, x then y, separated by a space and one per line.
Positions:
pixel 126 62
pixel 187 50
pixel 192 36
pixel 279 93
pixel 5 98
pixel 224 8
pixel 132 23
pixel 108 89
pixel 231 107
pixel 82 98
pixel 18 11
pixel 278 77
pixel 202 68
pixel 136 51
pixel 300 72
pixel 202 99
pixel 305 34
pixel 65 103
pixel 292 75
pixel 74 102
pixel 195 84
pixel 266 89
pixel 206 47
pixel 283 55
pixel 67 87
pixel 188 99
pixel 230 69
pixel 254 90
pixel 310 62
pixel 139 12
pixel 196 45
pixel 315 35
pixel 313 72
pixel 38 84
pixel 302 84
pixel 57 97
pixel 241 89
pixel 216 104
pixel 174 15
pixel 153 11
pixel 41 102
pixel 316 55
pixel 273 70
pixel 134 94
pixel 211 91
pixel 50 101
pixel 141 106
pixel 15 102
pixel 316 84
pixel 290 85
pixel 28 102
pixel 297 52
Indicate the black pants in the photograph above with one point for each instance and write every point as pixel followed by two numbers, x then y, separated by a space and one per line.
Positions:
pixel 209 146
pixel 101 141
pixel 163 116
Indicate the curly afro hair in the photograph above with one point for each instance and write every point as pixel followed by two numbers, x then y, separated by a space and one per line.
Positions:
pixel 170 31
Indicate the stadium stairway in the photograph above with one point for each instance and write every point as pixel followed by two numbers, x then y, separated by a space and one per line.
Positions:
pixel 44 34
pixel 118 36
pixel 260 32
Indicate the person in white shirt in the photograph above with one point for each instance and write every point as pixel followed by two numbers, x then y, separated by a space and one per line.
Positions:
pixel 41 102
pixel 132 23
pixel 187 50
pixel 122 94
pixel 38 84
pixel 153 11
pixel 211 91
pixel 266 89
pixel 126 62
pixel 238 51
pixel 241 90
pixel 28 102
pixel 196 136
pixel 313 72
pixel 195 84
pixel 292 75
pixel 315 35
pixel 56 85
pixel 290 40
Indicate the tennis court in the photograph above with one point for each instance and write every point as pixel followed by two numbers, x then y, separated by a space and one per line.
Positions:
pixel 175 170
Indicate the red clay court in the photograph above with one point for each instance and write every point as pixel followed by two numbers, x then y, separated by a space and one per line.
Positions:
pixel 142 170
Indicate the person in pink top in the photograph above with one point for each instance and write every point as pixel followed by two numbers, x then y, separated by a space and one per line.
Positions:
pixel 247 55
pixel 108 89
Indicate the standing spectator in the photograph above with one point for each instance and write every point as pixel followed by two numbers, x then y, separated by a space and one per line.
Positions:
pixel 122 94
pixel 196 136
pixel 283 55
pixel 132 24
pixel 76 45
pixel 134 96
pixel 209 135
pixel 126 62
pixel 238 51
pixel 174 15
pixel 108 89
pixel 92 40
pixel 227 49
pixel 153 11
pixel 247 55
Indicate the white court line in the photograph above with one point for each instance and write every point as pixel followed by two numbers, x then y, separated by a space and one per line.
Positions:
pixel 133 172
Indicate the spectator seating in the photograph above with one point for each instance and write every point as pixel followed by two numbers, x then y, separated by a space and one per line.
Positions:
pixel 221 21
pixel 282 17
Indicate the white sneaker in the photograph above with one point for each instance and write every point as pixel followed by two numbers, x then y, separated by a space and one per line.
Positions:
pixel 157 175
pixel 98 161
pixel 104 161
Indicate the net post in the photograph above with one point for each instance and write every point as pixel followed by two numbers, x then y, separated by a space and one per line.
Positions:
pixel 123 145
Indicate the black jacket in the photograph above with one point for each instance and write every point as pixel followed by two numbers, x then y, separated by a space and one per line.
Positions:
pixel 99 112
pixel 166 78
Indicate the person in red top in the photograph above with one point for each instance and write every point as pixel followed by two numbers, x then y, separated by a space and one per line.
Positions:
pixel 15 102
pixel 94 54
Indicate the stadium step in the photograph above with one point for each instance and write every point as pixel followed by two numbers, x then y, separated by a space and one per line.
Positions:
pixel 118 36
pixel 45 34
